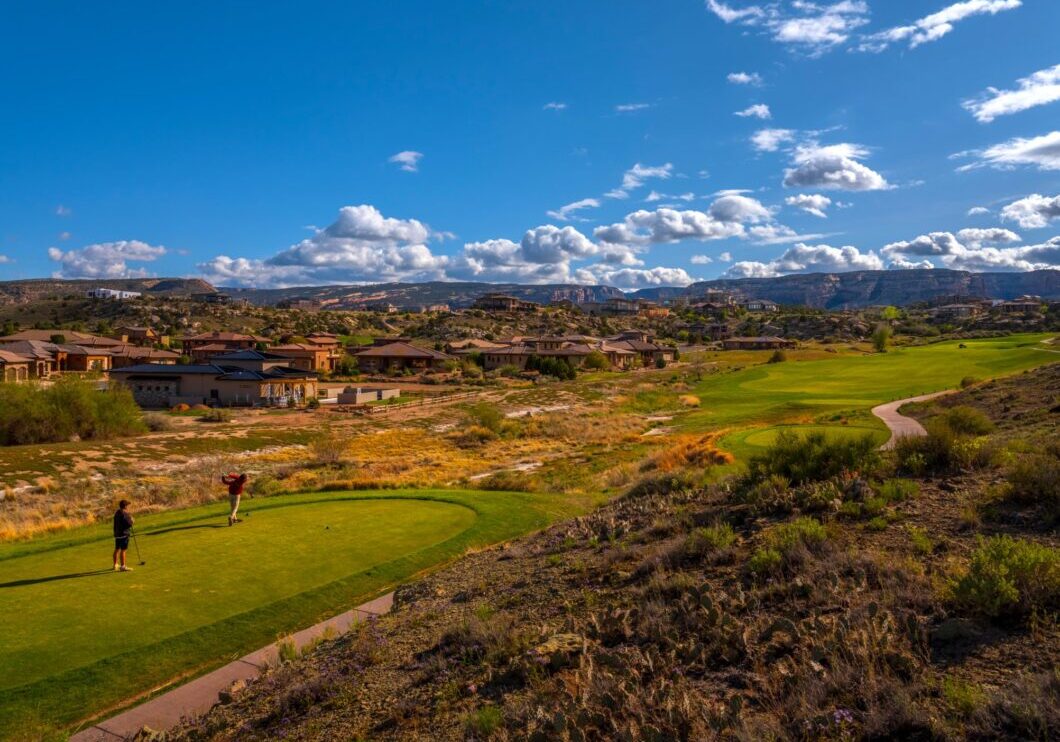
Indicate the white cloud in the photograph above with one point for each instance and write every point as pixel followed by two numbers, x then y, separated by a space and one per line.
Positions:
pixel 4 259
pixel 564 213
pixel 733 207
pixel 631 107
pixel 978 211
pixel 636 176
pixel 64 236
pixel 105 259
pixel 803 258
pixel 666 225
pixel 758 111
pixel 808 26
pixel 408 160
pixel 811 203
pixel 633 278
pixel 61 210
pixel 769 140
pixel 1033 212
pixel 554 106
pixel 901 263
pixel 1041 151
pixel 935 26
pixel 744 78
pixel 725 257
pixel 701 260
pixel 1037 90
pixel 778 234
pixel 975 250
pixel 835 166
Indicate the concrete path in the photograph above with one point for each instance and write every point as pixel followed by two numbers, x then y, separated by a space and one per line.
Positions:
pixel 900 425
pixel 200 695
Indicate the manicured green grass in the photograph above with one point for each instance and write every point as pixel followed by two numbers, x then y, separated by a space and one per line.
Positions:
pixel 809 391
pixel 76 638
pixel 747 443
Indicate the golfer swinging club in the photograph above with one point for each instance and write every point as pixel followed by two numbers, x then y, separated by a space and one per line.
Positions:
pixel 123 523
pixel 235 483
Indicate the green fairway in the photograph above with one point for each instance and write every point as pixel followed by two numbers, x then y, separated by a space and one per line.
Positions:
pixel 77 638
pixel 823 391
pixel 747 443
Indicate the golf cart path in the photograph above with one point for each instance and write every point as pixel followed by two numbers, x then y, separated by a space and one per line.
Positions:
pixel 900 425
pixel 200 695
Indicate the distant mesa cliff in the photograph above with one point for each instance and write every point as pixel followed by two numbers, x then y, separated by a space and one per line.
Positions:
pixel 47 288
pixel 894 287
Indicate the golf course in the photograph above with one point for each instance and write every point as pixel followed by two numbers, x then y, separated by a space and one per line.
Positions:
pixel 79 639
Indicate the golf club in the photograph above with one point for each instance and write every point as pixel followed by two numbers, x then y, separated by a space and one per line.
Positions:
pixel 137 544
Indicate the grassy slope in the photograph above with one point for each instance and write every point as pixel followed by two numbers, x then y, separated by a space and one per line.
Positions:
pixel 83 644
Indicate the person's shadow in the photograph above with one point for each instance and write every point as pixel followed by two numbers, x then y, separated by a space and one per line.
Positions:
pixel 181 528
pixel 53 578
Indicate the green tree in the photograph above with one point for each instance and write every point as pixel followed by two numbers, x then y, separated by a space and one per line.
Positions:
pixel 881 337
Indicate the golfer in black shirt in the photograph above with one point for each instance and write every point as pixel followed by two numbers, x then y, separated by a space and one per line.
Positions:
pixel 123 523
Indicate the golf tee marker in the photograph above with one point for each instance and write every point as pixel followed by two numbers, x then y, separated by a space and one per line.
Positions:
pixel 200 695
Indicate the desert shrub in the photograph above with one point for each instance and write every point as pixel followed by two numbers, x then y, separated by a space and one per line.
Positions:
pixel 898 490
pixel 663 484
pixel 771 494
pixel 549 366
pixel 813 458
pixel 596 361
pixel 942 449
pixel 508 370
pixel 765 561
pixel 963 697
pixel 313 403
pixel 693 450
pixel 922 543
pixel 486 415
pixel 483 722
pixel 968 381
pixel 1025 709
pixel 1034 479
pixel 710 540
pixel 473 436
pixel 508 481
pixel 265 486
pixel 1009 577
pixel 881 337
pixel 689 400
pixel 328 448
pixel 660 362
pixel 965 420
pixel 217 415
pixel 879 523
pixel 778 356
pixel 67 409
pixel 786 537
pixel 157 422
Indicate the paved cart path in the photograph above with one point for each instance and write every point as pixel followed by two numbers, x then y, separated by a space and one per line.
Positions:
pixel 200 695
pixel 900 425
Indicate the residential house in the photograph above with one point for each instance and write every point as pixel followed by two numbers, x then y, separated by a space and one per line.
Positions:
pixel 82 358
pixel 383 307
pixel 651 354
pixel 429 308
pixel 956 311
pixel 759 305
pixel 651 310
pixel 14 367
pixel 45 358
pixel 399 356
pixel 756 343
pixel 101 293
pixel 235 379
pixel 61 336
pixel 139 336
pixel 206 344
pixel 709 331
pixel 309 356
pixel 573 349
pixel 1022 305
pixel 304 303
pixel 123 356
pixel 504 303
pixel 471 345
pixel 212 298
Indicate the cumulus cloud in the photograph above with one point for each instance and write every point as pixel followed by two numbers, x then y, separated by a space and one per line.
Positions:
pixel 807 26
pixel 803 258
pixel 666 225
pixel 4 259
pixel 1040 88
pixel 778 234
pixel 744 78
pixel 564 213
pixel 409 161
pixel 975 250
pixel 811 203
pixel 725 257
pixel 554 106
pixel 978 211
pixel 637 175
pixel 769 140
pixel 733 207
pixel 61 210
pixel 1042 152
pixel 834 166
pixel 935 26
pixel 633 278
pixel 701 260
pixel 631 107
pixel 105 259
pixel 1033 212
pixel 758 111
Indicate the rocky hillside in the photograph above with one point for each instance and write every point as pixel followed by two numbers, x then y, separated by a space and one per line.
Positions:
pixel 827 594
pixel 860 289
pixel 49 288
pixel 415 295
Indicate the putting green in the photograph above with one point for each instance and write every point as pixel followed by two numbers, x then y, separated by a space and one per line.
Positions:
pixel 747 443
pixel 76 637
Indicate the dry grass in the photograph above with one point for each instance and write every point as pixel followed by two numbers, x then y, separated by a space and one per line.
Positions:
pixel 690 451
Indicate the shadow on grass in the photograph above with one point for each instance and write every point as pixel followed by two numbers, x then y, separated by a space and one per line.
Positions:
pixel 54 578
pixel 182 528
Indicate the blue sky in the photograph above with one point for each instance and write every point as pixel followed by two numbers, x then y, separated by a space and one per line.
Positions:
pixel 271 144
